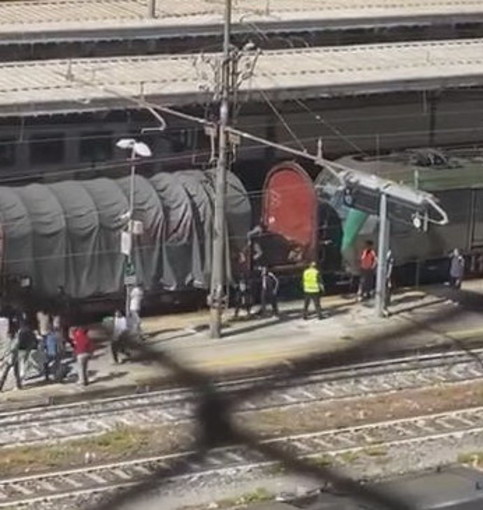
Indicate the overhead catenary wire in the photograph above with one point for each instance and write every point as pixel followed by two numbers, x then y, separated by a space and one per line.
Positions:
pixel 334 129
pixel 284 123
pixel 113 164
pixel 4 142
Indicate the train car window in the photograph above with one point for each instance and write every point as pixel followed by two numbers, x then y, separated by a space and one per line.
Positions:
pixel 96 146
pixel 7 152
pixel 47 148
pixel 478 216
pixel 181 140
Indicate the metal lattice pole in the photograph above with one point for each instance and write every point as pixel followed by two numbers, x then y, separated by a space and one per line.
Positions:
pixel 218 275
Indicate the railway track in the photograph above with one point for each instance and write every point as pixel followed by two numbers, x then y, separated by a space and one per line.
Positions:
pixel 101 478
pixel 170 406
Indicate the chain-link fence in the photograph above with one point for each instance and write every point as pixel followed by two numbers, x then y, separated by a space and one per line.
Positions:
pixel 216 428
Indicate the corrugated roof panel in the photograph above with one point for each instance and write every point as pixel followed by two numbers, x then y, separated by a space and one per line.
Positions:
pixel 30 16
pixel 290 73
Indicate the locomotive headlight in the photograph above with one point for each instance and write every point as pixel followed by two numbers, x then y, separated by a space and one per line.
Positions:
pixel 417 221
pixel 348 197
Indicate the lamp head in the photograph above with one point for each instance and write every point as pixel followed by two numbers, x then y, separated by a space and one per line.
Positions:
pixel 126 143
pixel 139 148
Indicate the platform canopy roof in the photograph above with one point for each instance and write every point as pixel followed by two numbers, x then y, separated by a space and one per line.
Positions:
pixel 56 20
pixel 63 86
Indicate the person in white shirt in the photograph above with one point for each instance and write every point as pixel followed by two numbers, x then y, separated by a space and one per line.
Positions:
pixel 119 332
pixel 44 323
pixel 135 301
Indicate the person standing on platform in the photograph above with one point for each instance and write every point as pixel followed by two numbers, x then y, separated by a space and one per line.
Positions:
pixel 389 284
pixel 456 269
pixel 53 346
pixel 27 343
pixel 368 264
pixel 269 293
pixel 135 300
pixel 8 354
pixel 43 324
pixel 83 350
pixel 313 287
pixel 243 298
pixel 119 332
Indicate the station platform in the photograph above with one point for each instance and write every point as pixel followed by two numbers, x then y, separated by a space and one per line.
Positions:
pixel 430 318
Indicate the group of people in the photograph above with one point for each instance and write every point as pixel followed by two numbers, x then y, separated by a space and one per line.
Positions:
pixel 368 265
pixel 245 292
pixel 125 326
pixel 43 344
pixel 42 349
pixel 268 285
pixel 313 287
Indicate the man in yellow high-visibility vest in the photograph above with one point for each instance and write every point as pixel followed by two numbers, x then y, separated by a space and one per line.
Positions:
pixel 313 287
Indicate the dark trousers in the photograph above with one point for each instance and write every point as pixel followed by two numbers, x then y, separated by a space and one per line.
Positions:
pixel 455 282
pixel 315 299
pixel 242 301
pixel 118 346
pixel 388 294
pixel 53 367
pixel 269 298
pixel 367 283
pixel 12 364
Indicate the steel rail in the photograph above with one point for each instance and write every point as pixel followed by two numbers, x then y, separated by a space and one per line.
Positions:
pixel 107 477
pixel 91 418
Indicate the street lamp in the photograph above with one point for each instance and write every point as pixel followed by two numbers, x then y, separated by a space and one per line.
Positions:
pixel 141 150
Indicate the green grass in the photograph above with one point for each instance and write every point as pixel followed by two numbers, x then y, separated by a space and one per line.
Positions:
pixel 121 443
pixel 259 495
pixel 375 451
pixel 470 458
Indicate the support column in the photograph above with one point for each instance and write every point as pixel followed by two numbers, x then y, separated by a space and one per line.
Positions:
pixel 218 273
pixel 383 248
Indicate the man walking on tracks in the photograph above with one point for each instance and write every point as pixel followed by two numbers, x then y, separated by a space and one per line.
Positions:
pixel 313 287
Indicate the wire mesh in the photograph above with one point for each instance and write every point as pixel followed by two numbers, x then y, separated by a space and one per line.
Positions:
pixel 216 427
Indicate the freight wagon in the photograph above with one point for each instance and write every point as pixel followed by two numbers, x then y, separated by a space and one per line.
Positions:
pixel 68 234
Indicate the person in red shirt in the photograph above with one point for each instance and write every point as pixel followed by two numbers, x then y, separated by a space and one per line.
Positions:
pixel 368 262
pixel 83 349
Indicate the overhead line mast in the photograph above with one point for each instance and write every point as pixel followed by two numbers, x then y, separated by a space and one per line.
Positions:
pixel 218 274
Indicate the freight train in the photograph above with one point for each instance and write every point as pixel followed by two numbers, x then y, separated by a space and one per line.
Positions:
pixel 68 234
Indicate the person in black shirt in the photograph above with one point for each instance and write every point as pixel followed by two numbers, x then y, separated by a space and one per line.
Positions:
pixel 269 292
pixel 27 342
pixel 243 297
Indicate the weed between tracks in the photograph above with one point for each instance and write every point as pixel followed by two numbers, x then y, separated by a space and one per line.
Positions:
pixel 259 495
pixel 358 411
pixel 120 444
pixel 130 442
pixel 474 459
